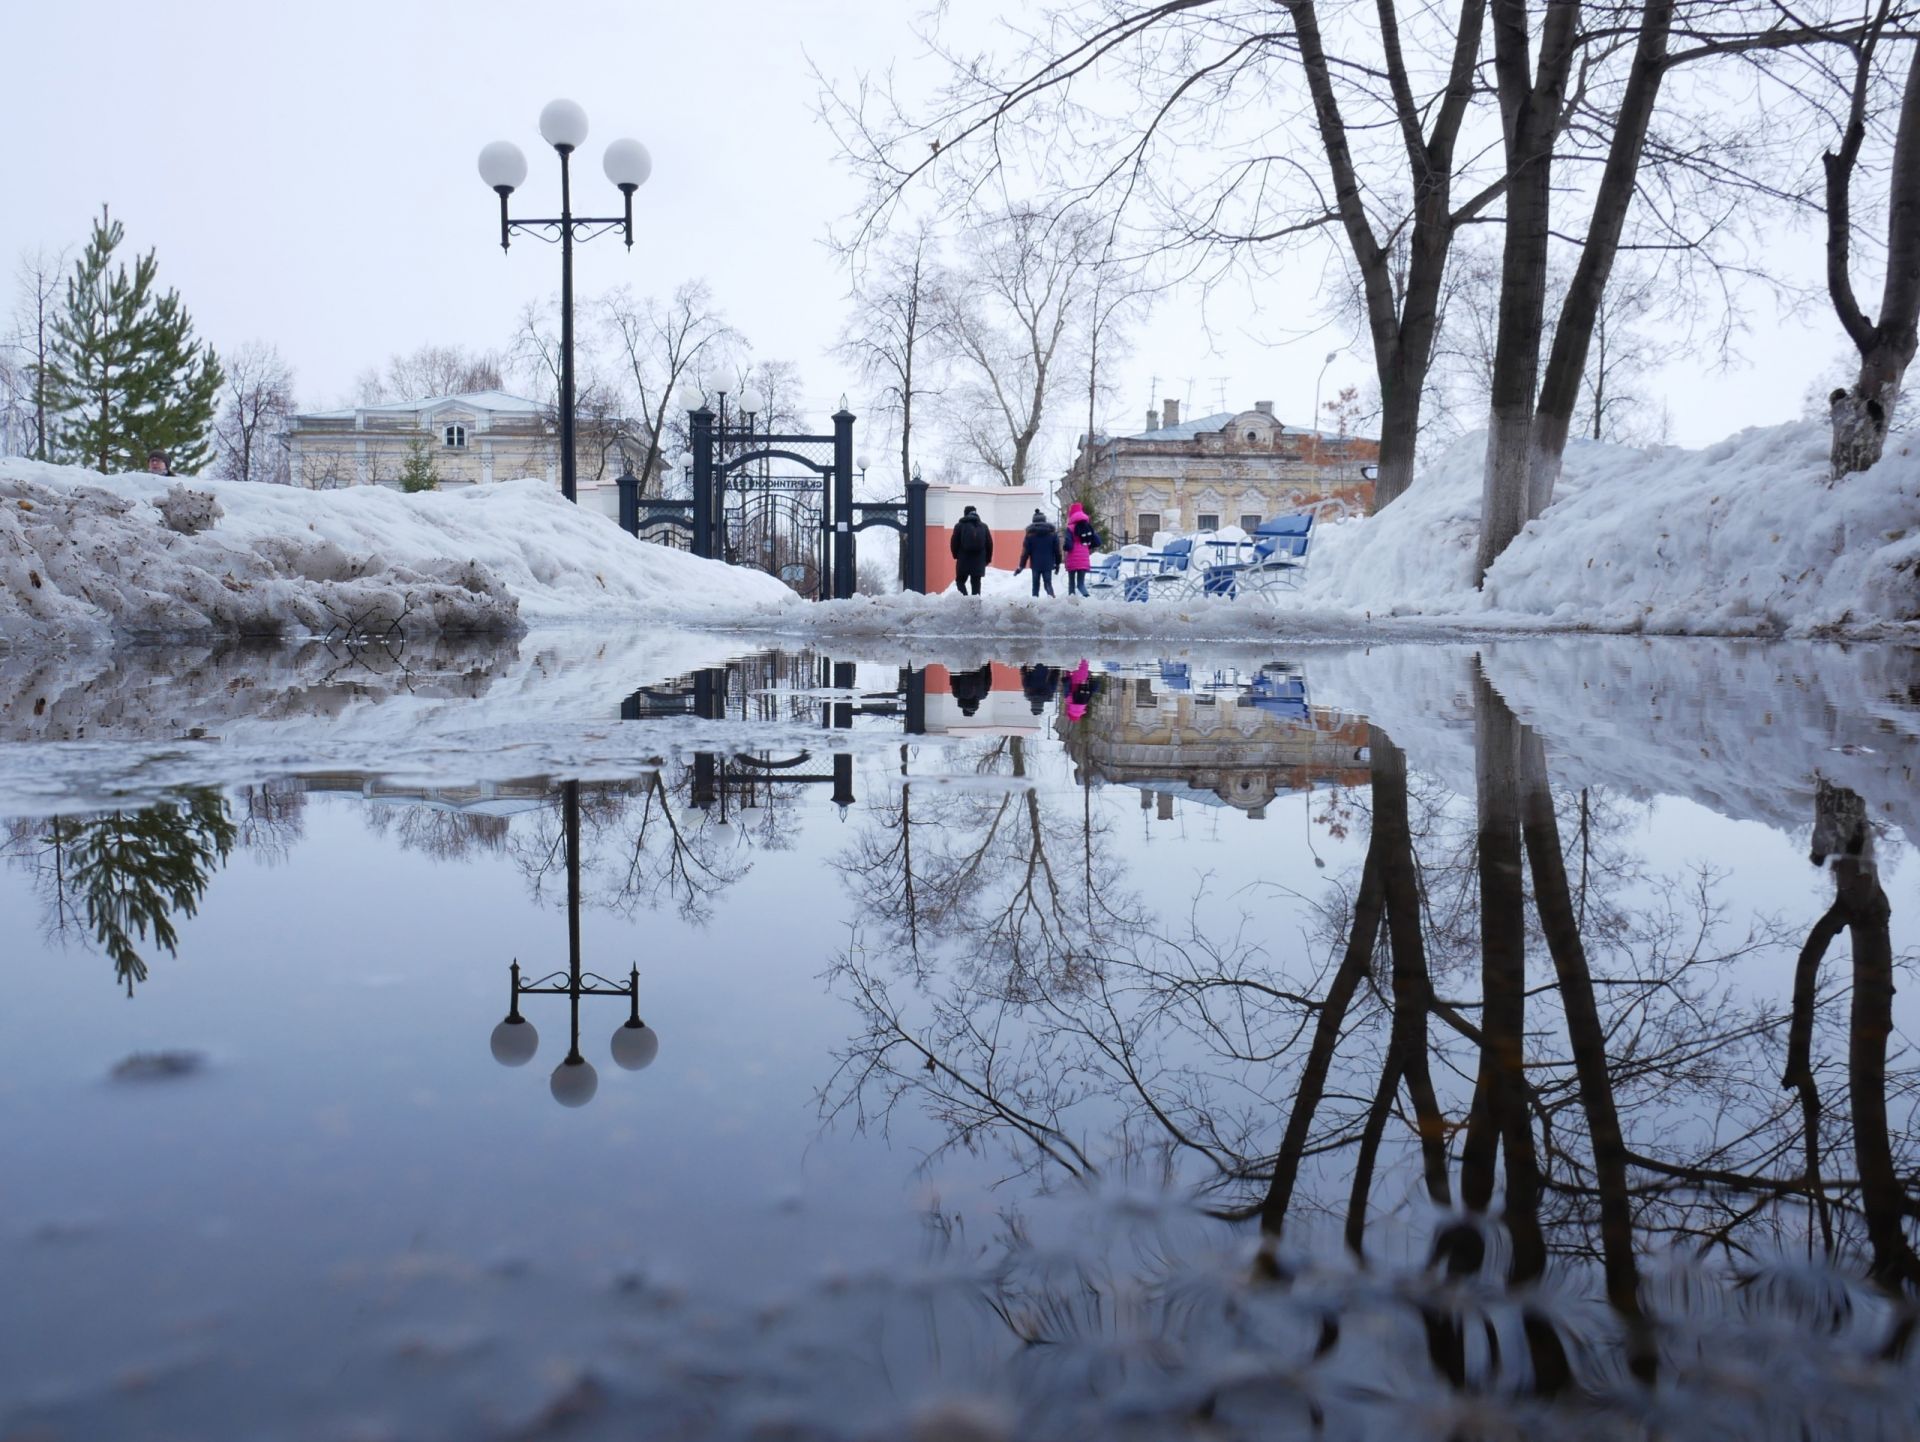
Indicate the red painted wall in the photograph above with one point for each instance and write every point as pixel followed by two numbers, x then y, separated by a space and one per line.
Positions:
pixel 1006 554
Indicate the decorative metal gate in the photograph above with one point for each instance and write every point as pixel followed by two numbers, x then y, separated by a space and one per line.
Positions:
pixel 782 504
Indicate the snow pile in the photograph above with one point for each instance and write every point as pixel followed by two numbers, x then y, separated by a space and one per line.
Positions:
pixel 1743 537
pixel 85 556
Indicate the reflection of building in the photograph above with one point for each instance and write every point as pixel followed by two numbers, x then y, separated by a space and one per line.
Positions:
pixel 1229 469
pixel 1238 747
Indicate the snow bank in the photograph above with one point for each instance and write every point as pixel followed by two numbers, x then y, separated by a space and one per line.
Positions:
pixel 1744 537
pixel 85 556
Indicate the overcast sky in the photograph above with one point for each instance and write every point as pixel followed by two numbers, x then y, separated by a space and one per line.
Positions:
pixel 307 175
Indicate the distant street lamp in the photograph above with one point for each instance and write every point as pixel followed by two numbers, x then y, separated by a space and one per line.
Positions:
pixel 563 125
pixel 1332 355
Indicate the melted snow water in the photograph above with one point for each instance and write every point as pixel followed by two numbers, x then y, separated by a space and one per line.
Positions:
pixel 1417 1043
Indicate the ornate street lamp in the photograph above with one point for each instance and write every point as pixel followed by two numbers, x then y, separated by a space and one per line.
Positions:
pixel 514 1041
pixel 563 125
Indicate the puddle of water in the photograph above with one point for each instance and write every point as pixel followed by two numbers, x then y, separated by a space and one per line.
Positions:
pixel 1418 1043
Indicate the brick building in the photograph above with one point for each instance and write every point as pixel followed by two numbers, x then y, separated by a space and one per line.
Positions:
pixel 1226 469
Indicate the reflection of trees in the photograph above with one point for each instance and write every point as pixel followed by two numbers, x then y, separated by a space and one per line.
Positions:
pixel 643 845
pixel 1607 1089
pixel 444 833
pixel 127 872
pixel 999 876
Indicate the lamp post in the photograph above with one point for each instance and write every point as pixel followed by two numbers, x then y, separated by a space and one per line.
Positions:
pixel 1332 355
pixel 563 125
pixel 514 1041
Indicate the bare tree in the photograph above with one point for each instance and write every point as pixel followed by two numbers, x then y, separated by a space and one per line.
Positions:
pixel 602 424
pixel 1863 412
pixel 1212 91
pixel 431 370
pixel 897 330
pixel 39 276
pixel 1015 301
pixel 660 346
pixel 255 406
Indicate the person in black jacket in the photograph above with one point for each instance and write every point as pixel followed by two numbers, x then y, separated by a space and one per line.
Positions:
pixel 970 688
pixel 972 547
pixel 1041 551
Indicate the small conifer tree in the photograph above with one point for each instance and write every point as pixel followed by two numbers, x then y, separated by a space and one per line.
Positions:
pixel 418 473
pixel 124 370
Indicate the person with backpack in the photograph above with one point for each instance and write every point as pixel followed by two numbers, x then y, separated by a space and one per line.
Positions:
pixel 1082 541
pixel 1040 551
pixel 972 547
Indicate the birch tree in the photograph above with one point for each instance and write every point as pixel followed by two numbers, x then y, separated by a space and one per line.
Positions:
pixel 662 346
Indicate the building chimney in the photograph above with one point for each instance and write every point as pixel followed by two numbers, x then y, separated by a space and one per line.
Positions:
pixel 1264 407
pixel 1171 409
pixel 1153 419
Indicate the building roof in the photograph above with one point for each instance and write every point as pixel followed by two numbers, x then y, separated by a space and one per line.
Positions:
pixel 1187 430
pixel 496 401
pixel 1219 421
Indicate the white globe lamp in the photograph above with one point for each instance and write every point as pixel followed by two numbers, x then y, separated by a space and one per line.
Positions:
pixel 563 125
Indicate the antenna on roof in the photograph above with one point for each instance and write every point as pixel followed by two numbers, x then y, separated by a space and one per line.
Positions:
pixel 1220 388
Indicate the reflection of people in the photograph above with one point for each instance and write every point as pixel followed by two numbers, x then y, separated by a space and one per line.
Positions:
pixel 1041 551
pixel 1038 683
pixel 970 688
pixel 158 464
pixel 972 547
pixel 1082 541
pixel 1080 687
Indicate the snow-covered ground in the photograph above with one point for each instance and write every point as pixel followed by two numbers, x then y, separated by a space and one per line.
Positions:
pixel 84 557
pixel 1742 538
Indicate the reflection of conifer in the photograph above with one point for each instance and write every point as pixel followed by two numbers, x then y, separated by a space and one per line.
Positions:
pixel 134 869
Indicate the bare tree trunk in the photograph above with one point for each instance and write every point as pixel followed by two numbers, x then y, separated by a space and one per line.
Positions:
pixel 1863 414
pixel 1567 363
pixel 1530 106
pixel 1402 327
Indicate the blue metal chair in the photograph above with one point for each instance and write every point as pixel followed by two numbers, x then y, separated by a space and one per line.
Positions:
pixel 1279 553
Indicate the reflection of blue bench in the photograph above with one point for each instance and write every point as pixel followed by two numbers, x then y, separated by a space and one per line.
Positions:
pixel 1281 695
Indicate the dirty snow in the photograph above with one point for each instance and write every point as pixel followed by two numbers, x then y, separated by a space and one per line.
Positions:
pixel 85 557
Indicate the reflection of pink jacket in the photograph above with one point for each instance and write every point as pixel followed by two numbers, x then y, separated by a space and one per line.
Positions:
pixel 1079 688
pixel 1079 555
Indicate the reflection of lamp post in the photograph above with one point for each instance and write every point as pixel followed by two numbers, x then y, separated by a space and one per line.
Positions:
pixel 563 125
pixel 514 1041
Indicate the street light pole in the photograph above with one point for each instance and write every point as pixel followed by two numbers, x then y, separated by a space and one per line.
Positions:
pixel 563 125
pixel 1319 473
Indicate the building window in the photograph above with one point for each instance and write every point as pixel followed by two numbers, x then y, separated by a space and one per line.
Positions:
pixel 1143 693
pixel 1250 521
pixel 456 437
pixel 1253 436
pixel 1149 524
pixel 1209 521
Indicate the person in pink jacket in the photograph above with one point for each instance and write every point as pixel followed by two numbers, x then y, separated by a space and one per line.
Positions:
pixel 1082 540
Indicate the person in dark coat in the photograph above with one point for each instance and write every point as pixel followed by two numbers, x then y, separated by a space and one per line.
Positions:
pixel 1040 551
pixel 972 547
pixel 1038 684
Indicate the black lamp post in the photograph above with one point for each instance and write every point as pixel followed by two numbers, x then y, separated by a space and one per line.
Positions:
pixel 563 125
